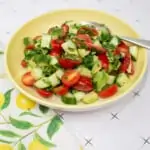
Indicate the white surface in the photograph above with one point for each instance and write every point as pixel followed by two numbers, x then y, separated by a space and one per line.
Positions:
pixel 107 133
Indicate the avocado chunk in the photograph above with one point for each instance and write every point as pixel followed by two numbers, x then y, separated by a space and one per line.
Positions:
pixel 84 71
pixel 100 80
pixel 122 79
pixel 90 98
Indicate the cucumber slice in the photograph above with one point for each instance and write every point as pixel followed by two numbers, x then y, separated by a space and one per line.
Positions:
pixel 115 41
pixel 134 52
pixel 37 73
pixel 42 83
pixel 59 73
pixel 110 68
pixel 73 29
pixel 83 52
pixel 70 48
pixel 45 42
pixel 31 64
pixel 96 42
pixel 69 99
pixel 90 98
pixel 111 79
pixel 84 71
pixel 79 95
pixel 54 60
pixel 104 34
pixel 97 66
pixel 53 80
pixel 122 79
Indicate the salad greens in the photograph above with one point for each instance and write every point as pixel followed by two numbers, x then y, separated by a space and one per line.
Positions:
pixel 77 62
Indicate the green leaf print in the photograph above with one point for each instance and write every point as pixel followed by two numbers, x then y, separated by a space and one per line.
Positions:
pixel 54 126
pixel 29 113
pixel 1 52
pixel 20 124
pixel 21 146
pixel 43 141
pixel 8 133
pixel 7 99
pixel 4 141
pixel 43 109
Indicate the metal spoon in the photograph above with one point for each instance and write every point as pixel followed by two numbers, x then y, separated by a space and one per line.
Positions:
pixel 139 42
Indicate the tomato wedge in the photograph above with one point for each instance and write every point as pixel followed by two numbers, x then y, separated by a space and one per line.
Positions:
pixel 88 30
pixel 56 47
pixel 123 48
pixel 96 47
pixel 56 44
pixel 27 79
pixel 125 63
pixel 84 84
pixel 23 63
pixel 84 37
pixel 54 53
pixel 108 92
pixel 44 93
pixel 65 29
pixel 104 60
pixel 61 90
pixel 70 77
pixel 30 46
pixel 69 63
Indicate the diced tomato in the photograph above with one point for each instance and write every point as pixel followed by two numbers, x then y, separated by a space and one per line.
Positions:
pixel 61 90
pixel 23 63
pixel 123 48
pixel 30 46
pixel 68 63
pixel 54 53
pixel 44 93
pixel 56 47
pixel 125 63
pixel 108 92
pixel 116 52
pixel 84 84
pixel 56 44
pixel 27 79
pixel 96 47
pixel 88 30
pixel 84 37
pixel 70 78
pixel 104 60
pixel 65 29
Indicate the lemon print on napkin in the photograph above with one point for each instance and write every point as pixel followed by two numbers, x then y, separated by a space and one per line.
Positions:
pixel 30 126
pixel 24 103
pixel 5 147
pixel 36 145
pixel 2 99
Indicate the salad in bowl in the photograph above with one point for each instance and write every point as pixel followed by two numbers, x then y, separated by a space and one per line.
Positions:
pixel 78 63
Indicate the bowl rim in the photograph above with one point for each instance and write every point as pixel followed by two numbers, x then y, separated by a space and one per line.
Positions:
pixel 73 108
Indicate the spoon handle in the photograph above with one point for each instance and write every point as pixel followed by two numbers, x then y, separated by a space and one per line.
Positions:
pixel 139 42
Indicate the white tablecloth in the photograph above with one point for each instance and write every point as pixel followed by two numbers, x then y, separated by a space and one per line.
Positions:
pixel 123 126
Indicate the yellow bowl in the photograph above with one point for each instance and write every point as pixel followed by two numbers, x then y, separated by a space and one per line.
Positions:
pixel 14 54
